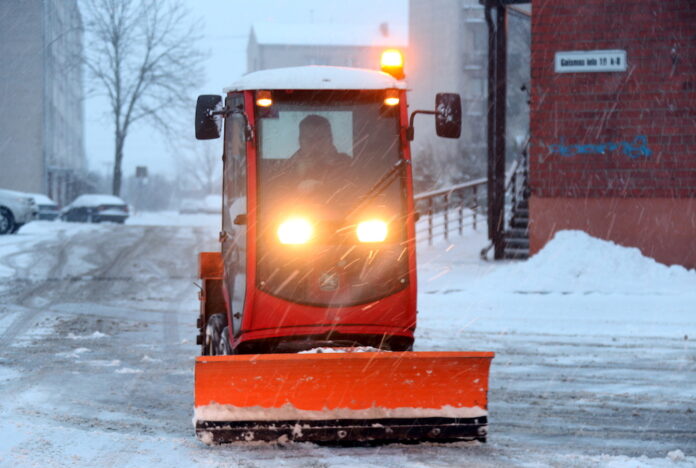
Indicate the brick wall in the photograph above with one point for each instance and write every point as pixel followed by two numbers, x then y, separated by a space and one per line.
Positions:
pixel 620 134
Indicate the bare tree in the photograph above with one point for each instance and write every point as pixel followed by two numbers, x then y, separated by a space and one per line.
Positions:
pixel 141 54
pixel 199 166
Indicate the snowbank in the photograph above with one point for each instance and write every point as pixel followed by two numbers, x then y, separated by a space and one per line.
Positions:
pixel 574 262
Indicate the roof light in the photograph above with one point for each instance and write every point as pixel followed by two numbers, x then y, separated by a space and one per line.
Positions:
pixel 393 63
pixel 263 99
pixel 391 98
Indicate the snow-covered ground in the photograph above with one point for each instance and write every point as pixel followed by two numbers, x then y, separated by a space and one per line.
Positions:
pixel 595 356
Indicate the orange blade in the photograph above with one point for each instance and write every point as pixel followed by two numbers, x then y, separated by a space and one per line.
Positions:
pixel 368 385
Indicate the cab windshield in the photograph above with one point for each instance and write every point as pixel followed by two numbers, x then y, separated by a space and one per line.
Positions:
pixel 320 155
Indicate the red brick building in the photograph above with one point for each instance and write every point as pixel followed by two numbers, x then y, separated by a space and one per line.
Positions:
pixel 614 152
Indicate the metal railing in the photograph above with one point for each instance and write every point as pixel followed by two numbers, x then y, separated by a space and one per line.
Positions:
pixel 516 185
pixel 449 210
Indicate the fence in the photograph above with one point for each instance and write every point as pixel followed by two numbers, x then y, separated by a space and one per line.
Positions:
pixel 449 210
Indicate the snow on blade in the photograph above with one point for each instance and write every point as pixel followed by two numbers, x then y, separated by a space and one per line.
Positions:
pixel 356 349
pixel 216 412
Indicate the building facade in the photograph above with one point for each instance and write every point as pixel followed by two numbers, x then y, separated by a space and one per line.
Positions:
pixel 41 103
pixel 289 45
pixel 613 109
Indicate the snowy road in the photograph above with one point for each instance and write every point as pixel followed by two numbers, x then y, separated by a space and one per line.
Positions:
pixel 594 366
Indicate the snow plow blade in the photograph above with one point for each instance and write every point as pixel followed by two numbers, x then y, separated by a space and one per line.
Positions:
pixel 342 398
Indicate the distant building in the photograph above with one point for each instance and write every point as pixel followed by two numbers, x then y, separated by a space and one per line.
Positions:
pixel 41 108
pixel 448 52
pixel 287 45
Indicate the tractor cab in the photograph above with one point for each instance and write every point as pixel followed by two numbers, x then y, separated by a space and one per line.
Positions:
pixel 318 218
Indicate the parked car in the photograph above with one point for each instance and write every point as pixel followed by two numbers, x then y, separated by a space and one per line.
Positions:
pixel 48 209
pixel 190 205
pixel 16 209
pixel 95 208
pixel 212 204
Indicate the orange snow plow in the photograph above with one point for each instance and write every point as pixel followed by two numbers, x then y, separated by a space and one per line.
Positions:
pixel 352 397
pixel 318 252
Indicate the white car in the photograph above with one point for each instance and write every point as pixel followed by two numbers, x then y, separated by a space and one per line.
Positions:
pixel 48 209
pixel 16 209
pixel 190 205
pixel 95 208
pixel 212 204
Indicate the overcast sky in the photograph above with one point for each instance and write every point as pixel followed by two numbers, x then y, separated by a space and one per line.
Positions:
pixel 227 25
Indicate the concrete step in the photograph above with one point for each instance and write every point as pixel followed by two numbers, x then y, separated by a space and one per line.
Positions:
pixel 516 254
pixel 519 222
pixel 517 243
pixel 522 205
pixel 521 232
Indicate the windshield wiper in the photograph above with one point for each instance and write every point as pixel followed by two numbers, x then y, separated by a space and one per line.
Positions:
pixel 379 186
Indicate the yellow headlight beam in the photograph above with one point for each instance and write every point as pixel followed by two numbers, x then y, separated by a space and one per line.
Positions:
pixel 295 231
pixel 373 230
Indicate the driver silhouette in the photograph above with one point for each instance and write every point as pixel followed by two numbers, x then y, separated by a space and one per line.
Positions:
pixel 317 161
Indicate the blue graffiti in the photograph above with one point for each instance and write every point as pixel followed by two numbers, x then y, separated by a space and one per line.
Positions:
pixel 636 149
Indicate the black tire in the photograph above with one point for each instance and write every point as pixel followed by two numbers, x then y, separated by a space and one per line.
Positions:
pixel 213 333
pixel 7 222
pixel 225 348
pixel 16 228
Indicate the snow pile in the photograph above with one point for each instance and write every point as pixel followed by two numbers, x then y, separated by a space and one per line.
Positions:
pixel 93 336
pixel 128 370
pixel 575 262
pixel 674 459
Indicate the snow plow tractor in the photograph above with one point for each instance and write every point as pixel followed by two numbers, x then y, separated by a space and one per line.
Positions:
pixel 308 312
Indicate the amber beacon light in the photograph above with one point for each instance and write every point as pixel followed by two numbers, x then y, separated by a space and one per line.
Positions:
pixel 393 63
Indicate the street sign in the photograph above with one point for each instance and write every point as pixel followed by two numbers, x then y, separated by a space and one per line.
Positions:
pixel 590 61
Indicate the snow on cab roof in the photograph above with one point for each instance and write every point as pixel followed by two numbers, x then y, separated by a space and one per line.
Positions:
pixel 383 35
pixel 316 77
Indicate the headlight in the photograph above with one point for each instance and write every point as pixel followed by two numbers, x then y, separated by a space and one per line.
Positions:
pixel 373 230
pixel 295 231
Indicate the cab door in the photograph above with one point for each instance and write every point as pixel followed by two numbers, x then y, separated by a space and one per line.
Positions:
pixel 234 225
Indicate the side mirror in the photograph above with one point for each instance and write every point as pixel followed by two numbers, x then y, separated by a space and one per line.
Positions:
pixel 208 125
pixel 448 116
